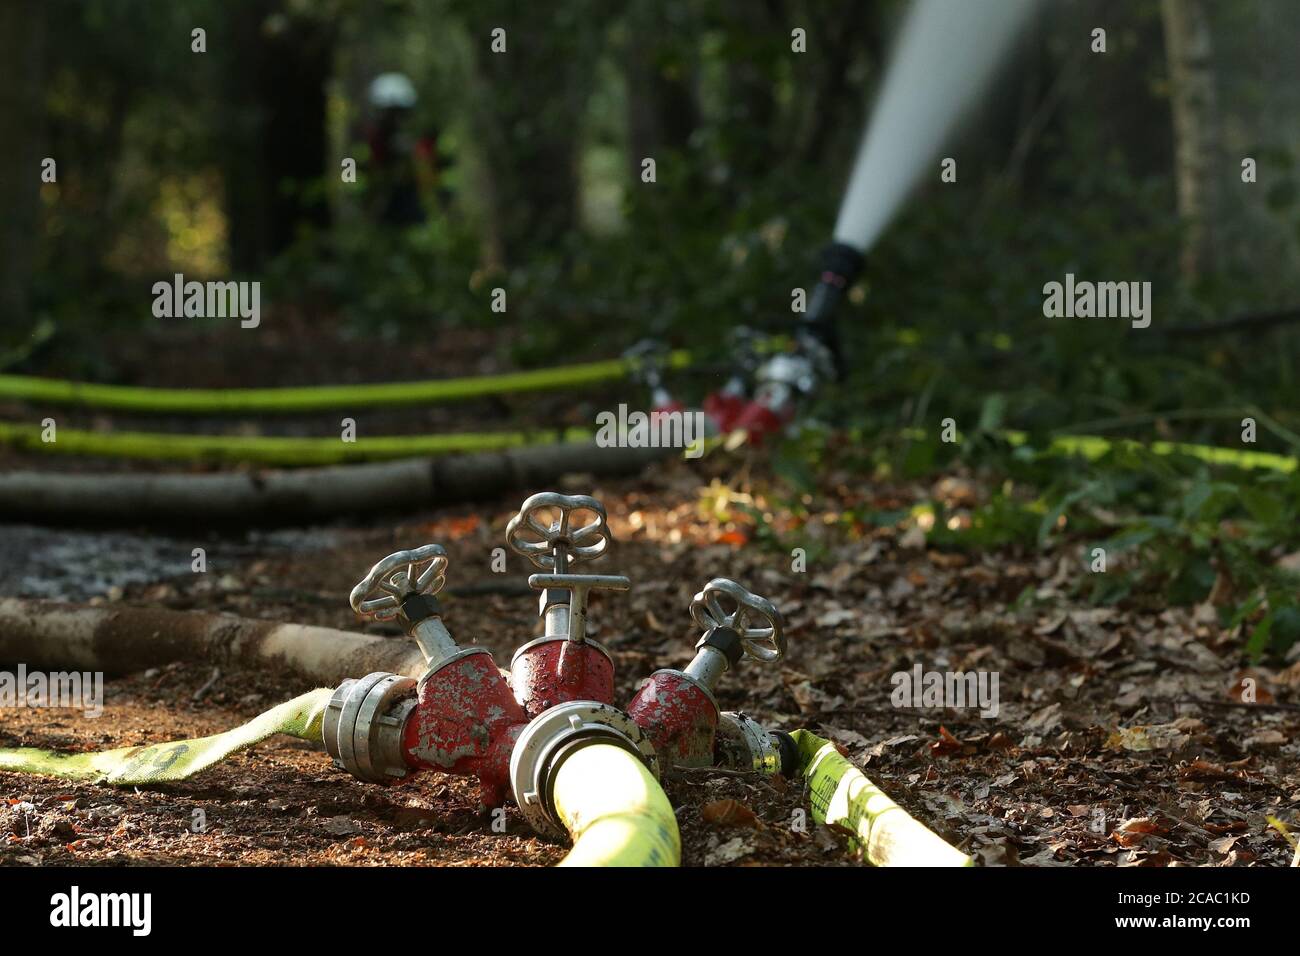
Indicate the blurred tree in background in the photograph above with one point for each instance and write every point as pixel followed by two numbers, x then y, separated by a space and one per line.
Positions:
pixel 22 53
pixel 1123 165
pixel 274 149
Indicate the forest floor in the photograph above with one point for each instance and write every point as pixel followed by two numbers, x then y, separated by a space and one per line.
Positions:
pixel 1120 737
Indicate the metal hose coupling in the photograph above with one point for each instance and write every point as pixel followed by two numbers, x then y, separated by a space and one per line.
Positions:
pixel 742 743
pixel 554 736
pixel 363 723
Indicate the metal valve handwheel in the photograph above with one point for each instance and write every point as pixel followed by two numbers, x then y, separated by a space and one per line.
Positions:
pixel 380 593
pixel 755 619
pixel 648 360
pixel 552 543
pixel 743 345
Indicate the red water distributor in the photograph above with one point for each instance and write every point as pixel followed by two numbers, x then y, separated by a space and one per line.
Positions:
pixel 782 383
pixel 724 407
pixel 758 420
pixel 463 717
pixel 789 378
pixel 465 721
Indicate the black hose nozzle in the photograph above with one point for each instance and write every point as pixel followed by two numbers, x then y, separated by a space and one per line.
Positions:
pixel 841 265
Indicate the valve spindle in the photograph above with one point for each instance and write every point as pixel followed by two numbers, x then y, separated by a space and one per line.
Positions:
pixel 544 532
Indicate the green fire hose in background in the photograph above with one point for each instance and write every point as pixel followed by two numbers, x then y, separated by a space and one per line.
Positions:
pixel 316 398
pixel 271 449
pixel 305 451
pixel 300 451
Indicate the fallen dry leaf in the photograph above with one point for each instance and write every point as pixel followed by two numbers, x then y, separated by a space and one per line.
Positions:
pixel 946 744
pixel 1131 832
pixel 1250 687
pixel 729 852
pixel 1143 738
pixel 1265 740
pixel 730 813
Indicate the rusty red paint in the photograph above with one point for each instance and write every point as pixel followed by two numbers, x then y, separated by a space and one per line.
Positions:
pixel 466 722
pixel 679 718
pixel 558 671
pixel 467 719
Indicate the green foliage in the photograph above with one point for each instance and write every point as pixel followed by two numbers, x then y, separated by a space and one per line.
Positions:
pixel 387 281
pixel 1174 530
pixel 946 323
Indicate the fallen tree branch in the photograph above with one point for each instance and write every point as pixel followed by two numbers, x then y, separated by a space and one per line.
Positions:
pixel 115 640
pixel 1253 322
pixel 303 495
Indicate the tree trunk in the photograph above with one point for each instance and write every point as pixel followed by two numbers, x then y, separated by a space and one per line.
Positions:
pixel 118 640
pixel 276 128
pixel 661 109
pixel 1189 49
pixel 240 499
pixel 753 140
pixel 22 42
pixel 531 121
pixel 837 33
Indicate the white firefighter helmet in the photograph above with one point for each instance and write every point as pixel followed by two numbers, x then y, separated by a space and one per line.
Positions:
pixel 392 91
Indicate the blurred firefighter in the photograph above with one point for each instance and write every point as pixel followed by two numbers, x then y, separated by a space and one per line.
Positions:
pixel 406 167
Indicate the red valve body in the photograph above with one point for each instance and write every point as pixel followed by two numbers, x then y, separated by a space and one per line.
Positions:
pixel 724 408
pixel 760 421
pixel 466 722
pixel 678 716
pixel 556 671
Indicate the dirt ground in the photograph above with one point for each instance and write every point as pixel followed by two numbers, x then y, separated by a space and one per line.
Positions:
pixel 1050 780
pixel 1120 737
pixel 284 803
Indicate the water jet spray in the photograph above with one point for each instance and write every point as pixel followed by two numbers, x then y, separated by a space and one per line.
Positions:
pixel 944 59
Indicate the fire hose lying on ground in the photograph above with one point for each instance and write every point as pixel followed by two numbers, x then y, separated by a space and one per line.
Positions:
pixel 549 735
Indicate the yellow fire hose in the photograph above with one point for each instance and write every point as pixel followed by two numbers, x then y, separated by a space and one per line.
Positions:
pixel 840 794
pixel 273 450
pixel 176 760
pixel 223 401
pixel 615 810
pixel 296 451
pixel 612 806
pixel 1092 447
